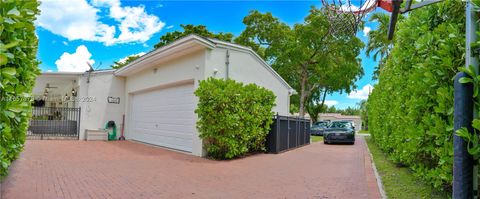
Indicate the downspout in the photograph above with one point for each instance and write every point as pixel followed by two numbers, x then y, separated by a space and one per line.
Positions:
pixel 87 88
pixel 227 64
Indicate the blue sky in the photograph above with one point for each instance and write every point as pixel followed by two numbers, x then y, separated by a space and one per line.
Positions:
pixel 101 32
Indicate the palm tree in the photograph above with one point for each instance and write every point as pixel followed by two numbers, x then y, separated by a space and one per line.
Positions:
pixel 363 113
pixel 378 42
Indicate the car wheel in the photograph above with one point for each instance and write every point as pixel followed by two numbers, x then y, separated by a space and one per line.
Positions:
pixel 325 142
pixel 352 143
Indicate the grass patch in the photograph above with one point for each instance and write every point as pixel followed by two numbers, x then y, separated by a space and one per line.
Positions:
pixel 363 132
pixel 399 182
pixel 316 138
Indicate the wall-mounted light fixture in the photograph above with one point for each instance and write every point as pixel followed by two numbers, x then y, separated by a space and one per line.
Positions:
pixel 74 92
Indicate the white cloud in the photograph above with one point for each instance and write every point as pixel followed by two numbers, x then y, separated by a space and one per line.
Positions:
pixel 125 58
pixel 75 62
pixel 65 43
pixel 361 94
pixel 79 20
pixel 331 102
pixel 353 5
pixel 366 30
pixel 169 27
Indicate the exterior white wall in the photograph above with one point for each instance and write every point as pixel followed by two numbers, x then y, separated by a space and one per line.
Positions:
pixel 92 99
pixel 246 68
pixel 186 68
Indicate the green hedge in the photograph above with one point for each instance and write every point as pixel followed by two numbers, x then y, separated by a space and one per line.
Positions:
pixel 234 119
pixel 18 69
pixel 410 111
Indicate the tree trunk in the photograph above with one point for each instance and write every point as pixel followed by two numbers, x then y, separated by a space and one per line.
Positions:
pixel 323 100
pixel 303 95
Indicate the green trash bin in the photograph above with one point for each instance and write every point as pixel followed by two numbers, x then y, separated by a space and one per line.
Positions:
pixel 111 128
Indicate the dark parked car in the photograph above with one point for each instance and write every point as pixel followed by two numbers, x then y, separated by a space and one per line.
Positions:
pixel 318 128
pixel 339 132
pixel 325 123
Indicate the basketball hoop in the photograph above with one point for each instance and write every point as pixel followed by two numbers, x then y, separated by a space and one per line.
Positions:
pixel 346 16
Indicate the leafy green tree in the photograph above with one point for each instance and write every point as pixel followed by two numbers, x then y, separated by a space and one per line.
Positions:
pixel 188 29
pixel 316 104
pixel 314 109
pixel 349 111
pixel 331 109
pixel 307 55
pixel 18 70
pixel 129 59
pixel 293 108
pixel 379 46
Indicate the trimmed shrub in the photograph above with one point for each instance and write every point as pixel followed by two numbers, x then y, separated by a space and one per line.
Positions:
pixel 410 111
pixel 18 69
pixel 234 118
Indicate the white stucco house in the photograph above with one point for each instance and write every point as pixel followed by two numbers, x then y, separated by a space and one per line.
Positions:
pixel 156 91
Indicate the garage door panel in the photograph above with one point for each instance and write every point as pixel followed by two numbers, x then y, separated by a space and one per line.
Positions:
pixel 165 141
pixel 151 126
pixel 166 133
pixel 162 105
pixel 152 122
pixel 162 139
pixel 165 108
pixel 164 117
pixel 166 104
pixel 176 118
pixel 167 94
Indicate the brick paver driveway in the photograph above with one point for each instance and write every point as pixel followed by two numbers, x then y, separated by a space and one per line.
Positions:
pixel 124 169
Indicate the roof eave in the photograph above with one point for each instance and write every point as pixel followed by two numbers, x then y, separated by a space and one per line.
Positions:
pixel 158 53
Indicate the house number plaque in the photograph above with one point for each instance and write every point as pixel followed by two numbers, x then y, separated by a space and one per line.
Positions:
pixel 113 100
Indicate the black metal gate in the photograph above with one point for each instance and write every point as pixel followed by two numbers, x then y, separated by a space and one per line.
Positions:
pixel 287 133
pixel 54 122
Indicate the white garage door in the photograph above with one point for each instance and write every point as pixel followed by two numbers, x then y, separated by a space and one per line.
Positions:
pixel 164 117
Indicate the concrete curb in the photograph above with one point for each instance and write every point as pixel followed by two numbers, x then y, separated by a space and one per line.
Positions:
pixel 379 179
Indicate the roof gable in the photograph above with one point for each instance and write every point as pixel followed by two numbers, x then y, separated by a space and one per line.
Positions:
pixel 185 43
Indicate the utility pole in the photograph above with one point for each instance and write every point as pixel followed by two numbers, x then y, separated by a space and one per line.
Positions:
pixel 472 59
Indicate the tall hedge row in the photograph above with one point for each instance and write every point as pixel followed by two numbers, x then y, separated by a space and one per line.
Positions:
pixel 411 108
pixel 234 118
pixel 18 69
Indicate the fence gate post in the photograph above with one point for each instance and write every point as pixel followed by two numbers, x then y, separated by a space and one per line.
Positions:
pixel 309 124
pixel 296 131
pixel 277 136
pixel 297 127
pixel 288 132
pixel 78 122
